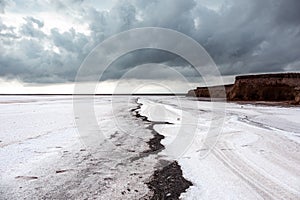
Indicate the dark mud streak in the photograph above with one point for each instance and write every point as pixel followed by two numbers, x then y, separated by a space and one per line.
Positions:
pixel 167 182
pixel 154 143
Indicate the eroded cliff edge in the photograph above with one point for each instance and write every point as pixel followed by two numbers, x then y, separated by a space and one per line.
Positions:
pixel 263 87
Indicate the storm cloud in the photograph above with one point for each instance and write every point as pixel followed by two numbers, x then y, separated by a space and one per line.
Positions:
pixel 248 36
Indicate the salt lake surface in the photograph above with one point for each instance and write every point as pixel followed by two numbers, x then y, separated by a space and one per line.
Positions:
pixel 255 154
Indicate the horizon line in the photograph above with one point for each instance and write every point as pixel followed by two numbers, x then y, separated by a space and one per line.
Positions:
pixel 122 94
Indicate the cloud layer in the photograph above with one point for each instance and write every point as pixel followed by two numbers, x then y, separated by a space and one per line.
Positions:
pixel 44 42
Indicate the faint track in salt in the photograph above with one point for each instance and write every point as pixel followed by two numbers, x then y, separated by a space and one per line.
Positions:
pixel 253 175
pixel 273 140
pixel 265 187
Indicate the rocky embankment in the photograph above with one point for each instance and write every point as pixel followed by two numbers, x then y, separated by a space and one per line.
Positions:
pixel 263 87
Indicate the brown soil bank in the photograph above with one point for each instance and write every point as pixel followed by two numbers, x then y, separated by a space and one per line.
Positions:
pixel 263 87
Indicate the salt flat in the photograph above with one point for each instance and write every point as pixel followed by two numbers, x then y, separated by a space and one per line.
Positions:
pixel 43 155
pixel 255 156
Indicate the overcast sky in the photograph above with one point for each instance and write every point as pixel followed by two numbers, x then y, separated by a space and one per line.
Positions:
pixel 46 41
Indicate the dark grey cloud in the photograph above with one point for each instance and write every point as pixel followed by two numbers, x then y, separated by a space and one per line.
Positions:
pixel 153 56
pixel 252 36
pixel 28 29
pixel 3 5
pixel 7 32
pixel 246 36
pixel 39 23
